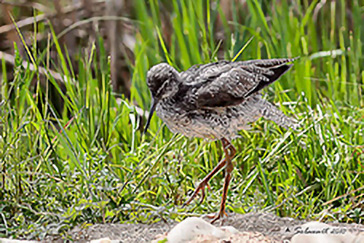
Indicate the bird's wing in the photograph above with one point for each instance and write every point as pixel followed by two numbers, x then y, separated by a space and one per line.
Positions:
pixel 230 83
pixel 202 73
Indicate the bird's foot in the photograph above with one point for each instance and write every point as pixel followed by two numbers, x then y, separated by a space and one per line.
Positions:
pixel 220 215
pixel 200 187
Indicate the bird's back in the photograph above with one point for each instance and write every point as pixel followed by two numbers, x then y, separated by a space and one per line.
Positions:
pixel 218 99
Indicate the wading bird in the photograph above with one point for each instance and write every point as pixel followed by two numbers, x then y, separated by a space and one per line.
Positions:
pixel 214 101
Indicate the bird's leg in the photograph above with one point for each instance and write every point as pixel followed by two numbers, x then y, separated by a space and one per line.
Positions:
pixel 204 182
pixel 228 147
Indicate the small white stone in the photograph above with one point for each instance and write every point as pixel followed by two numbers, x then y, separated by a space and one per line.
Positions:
pixel 3 240
pixel 103 240
pixel 192 227
pixel 230 229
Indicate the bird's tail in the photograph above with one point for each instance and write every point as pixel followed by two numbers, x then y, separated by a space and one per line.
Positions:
pixel 271 112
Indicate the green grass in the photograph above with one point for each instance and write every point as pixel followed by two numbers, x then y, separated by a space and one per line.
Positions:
pixel 89 163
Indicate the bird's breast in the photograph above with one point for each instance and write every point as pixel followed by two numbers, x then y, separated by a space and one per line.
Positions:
pixel 204 123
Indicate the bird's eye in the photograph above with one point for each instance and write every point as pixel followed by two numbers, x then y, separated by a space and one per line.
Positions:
pixel 186 121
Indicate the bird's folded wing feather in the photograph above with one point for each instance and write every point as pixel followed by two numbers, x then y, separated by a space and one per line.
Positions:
pixel 204 73
pixel 226 84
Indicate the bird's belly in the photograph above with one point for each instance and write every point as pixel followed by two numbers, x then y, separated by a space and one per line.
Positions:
pixel 179 122
pixel 203 123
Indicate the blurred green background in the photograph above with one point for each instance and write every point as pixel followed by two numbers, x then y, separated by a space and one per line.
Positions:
pixel 74 100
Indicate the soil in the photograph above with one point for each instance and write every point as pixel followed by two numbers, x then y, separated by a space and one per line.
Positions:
pixel 269 225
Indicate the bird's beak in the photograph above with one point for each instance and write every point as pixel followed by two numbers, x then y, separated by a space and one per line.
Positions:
pixel 152 108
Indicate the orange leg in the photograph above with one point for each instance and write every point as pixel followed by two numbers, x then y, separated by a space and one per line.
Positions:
pixel 229 151
pixel 228 147
pixel 204 182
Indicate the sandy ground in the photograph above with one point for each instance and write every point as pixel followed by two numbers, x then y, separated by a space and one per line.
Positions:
pixel 269 225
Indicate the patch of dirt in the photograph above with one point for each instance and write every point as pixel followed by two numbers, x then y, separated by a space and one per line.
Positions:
pixel 269 225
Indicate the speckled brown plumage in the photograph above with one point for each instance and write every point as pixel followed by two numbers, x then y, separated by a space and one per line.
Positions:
pixel 218 99
pixel 214 101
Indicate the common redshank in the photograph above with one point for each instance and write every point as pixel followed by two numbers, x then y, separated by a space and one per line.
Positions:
pixel 214 101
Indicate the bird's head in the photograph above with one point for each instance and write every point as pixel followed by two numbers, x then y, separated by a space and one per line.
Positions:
pixel 163 81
